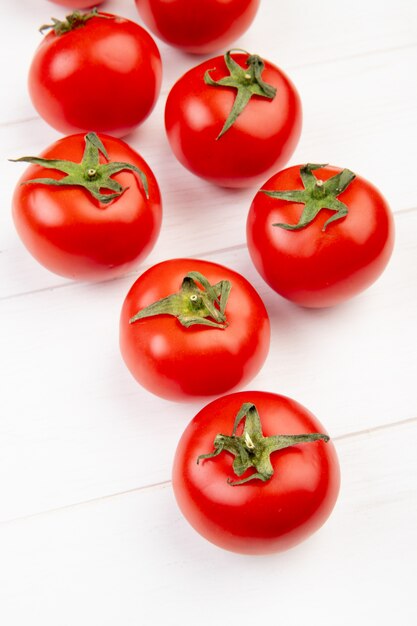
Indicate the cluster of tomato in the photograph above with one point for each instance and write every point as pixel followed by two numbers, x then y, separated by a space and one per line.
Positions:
pixel 89 207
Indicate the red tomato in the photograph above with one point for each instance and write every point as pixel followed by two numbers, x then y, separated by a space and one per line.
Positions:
pixel 200 27
pixel 258 516
pixel 261 138
pixel 178 362
pixel 102 75
pixel 72 233
pixel 78 4
pixel 320 265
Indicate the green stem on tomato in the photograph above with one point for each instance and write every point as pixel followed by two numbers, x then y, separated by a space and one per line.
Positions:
pixel 248 82
pixel 71 22
pixel 252 449
pixel 89 173
pixel 193 304
pixel 316 195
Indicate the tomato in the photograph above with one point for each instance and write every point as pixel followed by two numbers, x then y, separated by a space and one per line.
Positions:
pixel 80 235
pixel 192 328
pixel 323 252
pixel 248 493
pixel 201 26
pixel 228 140
pixel 102 73
pixel 78 4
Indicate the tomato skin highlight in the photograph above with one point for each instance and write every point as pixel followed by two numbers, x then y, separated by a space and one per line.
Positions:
pixel 314 268
pixel 257 517
pixel 73 234
pixel 179 363
pixel 263 137
pixel 198 27
pixel 104 76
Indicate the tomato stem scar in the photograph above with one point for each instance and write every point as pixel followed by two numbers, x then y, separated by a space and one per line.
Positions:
pixel 74 20
pixel 248 441
pixel 316 195
pixel 89 173
pixel 197 302
pixel 247 82
pixel 252 449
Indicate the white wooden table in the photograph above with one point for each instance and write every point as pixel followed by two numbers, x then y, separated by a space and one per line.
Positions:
pixel 90 533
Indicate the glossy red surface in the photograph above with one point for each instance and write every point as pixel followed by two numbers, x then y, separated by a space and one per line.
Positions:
pixel 73 234
pixel 198 26
pixel 177 363
pixel 315 268
pixel 104 76
pixel 262 138
pixel 257 517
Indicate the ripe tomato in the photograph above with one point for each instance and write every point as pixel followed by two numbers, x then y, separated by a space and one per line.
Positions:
pixel 103 72
pixel 323 252
pixel 295 487
pixel 228 140
pixel 85 236
pixel 78 4
pixel 176 358
pixel 200 27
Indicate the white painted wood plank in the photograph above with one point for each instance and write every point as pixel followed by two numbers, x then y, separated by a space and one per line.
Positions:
pixel 358 113
pixel 134 560
pixel 75 425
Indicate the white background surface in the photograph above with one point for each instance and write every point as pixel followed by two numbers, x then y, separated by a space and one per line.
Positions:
pixel 90 533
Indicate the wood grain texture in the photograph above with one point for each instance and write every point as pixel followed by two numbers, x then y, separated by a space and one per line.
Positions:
pixel 133 559
pixel 89 530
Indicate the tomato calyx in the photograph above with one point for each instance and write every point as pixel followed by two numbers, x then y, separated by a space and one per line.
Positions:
pixel 248 83
pixel 315 196
pixel 192 304
pixel 252 449
pixel 89 173
pixel 71 22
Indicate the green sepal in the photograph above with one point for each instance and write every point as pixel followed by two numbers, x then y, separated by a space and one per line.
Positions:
pixel 252 449
pixel 248 83
pixel 315 196
pixel 89 173
pixel 71 22
pixel 191 304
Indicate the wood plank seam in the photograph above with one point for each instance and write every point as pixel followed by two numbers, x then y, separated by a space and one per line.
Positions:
pixel 165 483
pixel 134 274
pixel 288 68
